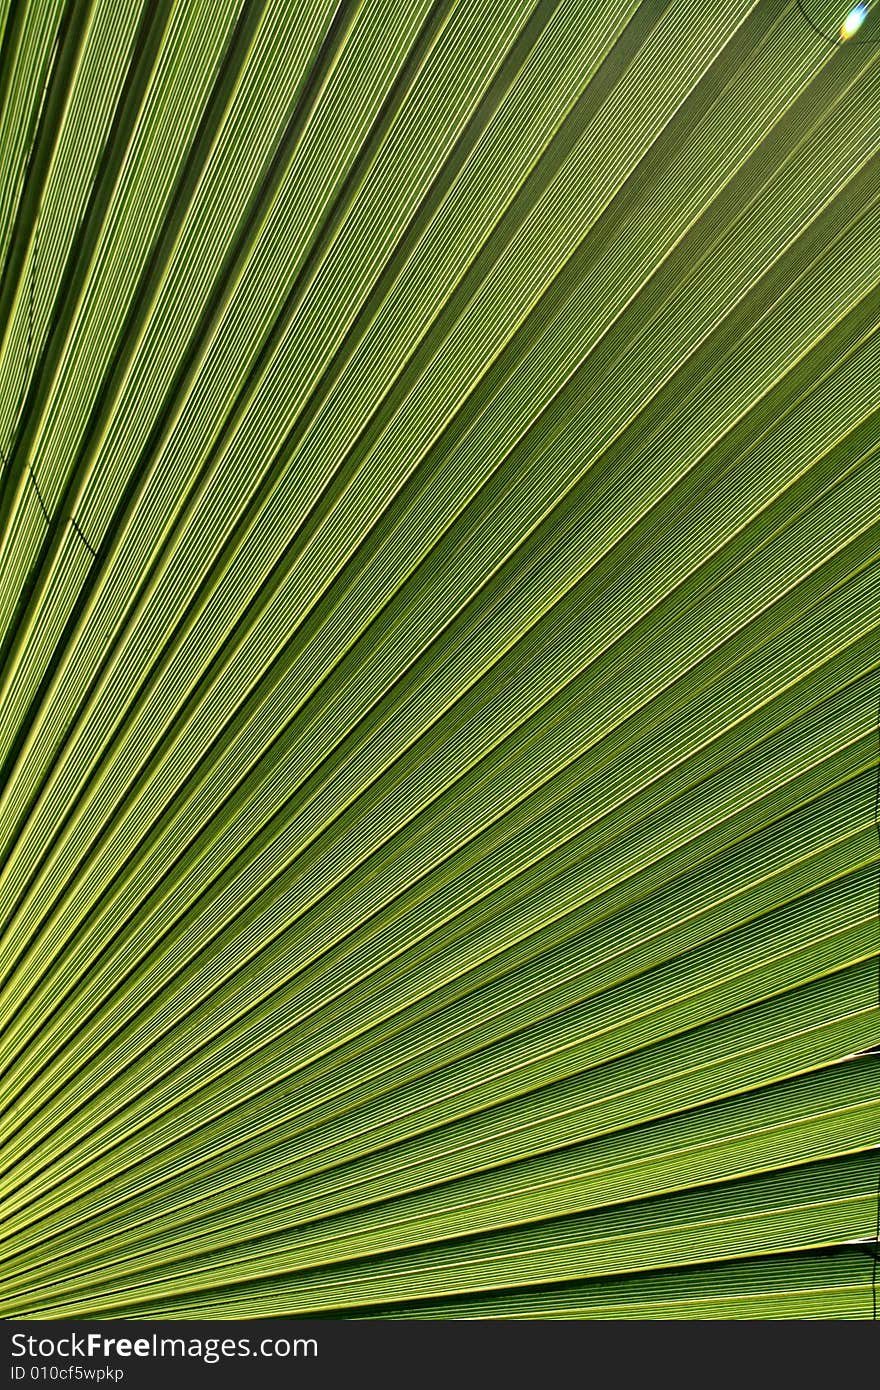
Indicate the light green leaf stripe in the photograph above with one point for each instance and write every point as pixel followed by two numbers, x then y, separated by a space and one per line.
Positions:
pixel 439 659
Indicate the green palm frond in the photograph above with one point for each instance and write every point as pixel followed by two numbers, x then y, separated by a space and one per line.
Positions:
pixel 439 658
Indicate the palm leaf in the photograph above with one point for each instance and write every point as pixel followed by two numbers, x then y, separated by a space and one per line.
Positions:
pixel 439 658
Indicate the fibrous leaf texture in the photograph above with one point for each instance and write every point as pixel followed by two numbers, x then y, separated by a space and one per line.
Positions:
pixel 439 661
